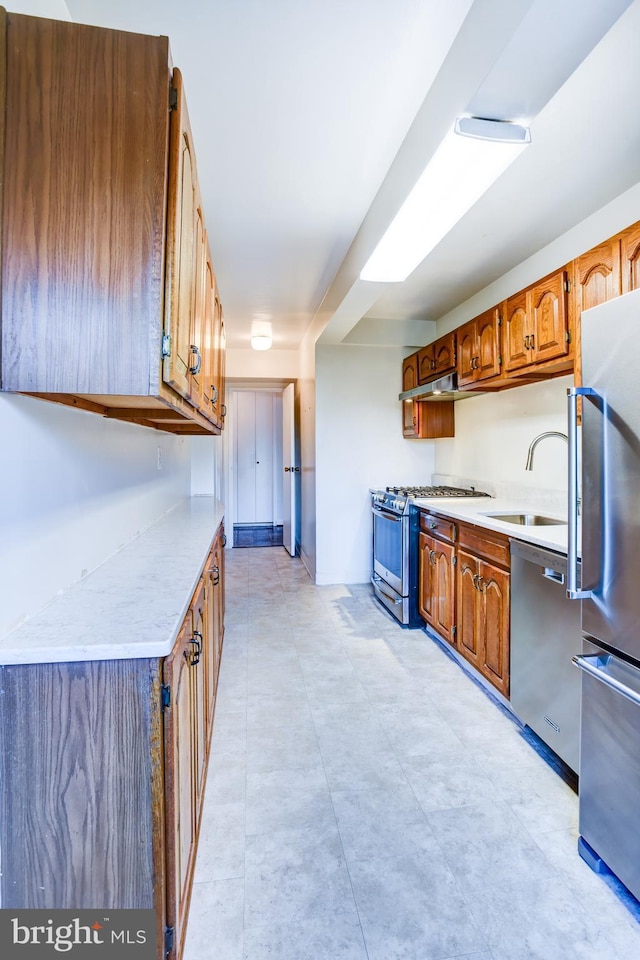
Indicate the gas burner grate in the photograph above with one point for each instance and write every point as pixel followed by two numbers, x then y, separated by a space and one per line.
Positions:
pixel 436 492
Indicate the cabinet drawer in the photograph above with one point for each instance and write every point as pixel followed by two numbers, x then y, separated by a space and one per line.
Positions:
pixel 438 527
pixel 485 543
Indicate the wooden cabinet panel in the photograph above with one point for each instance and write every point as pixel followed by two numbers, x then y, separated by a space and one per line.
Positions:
pixel 426 364
pixel 494 585
pixel 410 372
pixel 482 607
pixel 440 527
pixel 469 626
pixel 516 350
pixel 479 349
pixel 436 594
pixel 488 345
pixel 549 318
pixel 467 353
pixel 485 543
pixel 597 275
pixel 630 258
pixel 102 305
pixel 444 354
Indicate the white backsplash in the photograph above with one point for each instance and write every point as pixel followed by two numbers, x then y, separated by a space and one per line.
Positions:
pixel 552 501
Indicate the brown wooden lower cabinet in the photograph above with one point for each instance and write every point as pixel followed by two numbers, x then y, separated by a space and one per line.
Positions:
pixel 436 593
pixel 464 592
pixel 102 772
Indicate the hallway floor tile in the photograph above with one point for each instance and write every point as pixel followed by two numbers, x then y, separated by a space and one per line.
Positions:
pixel 367 800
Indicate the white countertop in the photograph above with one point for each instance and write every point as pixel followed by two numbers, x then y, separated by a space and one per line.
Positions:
pixel 133 604
pixel 474 510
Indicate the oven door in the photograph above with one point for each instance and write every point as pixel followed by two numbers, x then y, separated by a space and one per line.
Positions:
pixel 391 549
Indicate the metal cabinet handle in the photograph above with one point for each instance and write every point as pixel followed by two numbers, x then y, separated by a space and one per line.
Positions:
pixel 573 591
pixel 193 656
pixel 214 394
pixel 532 341
pixel 224 539
pixel 432 556
pixel 224 410
pixel 216 575
pixel 432 525
pixel 526 342
pixel 195 368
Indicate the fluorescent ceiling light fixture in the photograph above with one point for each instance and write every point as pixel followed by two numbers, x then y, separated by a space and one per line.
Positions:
pixel 261 342
pixel 468 161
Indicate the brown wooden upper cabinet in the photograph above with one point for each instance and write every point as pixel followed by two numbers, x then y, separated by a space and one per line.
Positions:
pixel 630 258
pixel 479 348
pixel 107 293
pixel 423 420
pixel 536 324
pixel 437 358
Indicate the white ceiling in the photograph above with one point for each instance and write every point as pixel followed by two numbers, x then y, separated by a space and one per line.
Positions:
pixel 313 119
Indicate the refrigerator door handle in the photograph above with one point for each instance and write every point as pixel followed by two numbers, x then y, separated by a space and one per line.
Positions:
pixel 595 665
pixel 573 591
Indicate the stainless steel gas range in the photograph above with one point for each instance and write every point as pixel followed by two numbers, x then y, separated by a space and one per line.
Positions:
pixel 395 546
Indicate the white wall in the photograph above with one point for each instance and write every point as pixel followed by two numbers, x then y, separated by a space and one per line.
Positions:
pixel 74 487
pixel 53 9
pixel 493 433
pixel 359 444
pixel 262 364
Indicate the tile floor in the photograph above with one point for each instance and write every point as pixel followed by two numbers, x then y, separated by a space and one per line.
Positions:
pixel 366 799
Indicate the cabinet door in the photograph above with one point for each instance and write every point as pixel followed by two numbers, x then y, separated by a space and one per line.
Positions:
pixel 443 604
pixel 210 357
pixel 179 764
pixel 467 353
pixel 197 356
pixel 181 266
pixel 410 372
pixel 426 364
pixel 494 589
pixel 488 345
pixel 444 354
pixel 469 609
pixel 597 275
pixel 550 318
pixel 199 695
pixel 630 258
pixel 426 589
pixel 516 333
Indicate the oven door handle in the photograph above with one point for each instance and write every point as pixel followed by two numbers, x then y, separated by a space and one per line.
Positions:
pixel 387 516
pixel 376 581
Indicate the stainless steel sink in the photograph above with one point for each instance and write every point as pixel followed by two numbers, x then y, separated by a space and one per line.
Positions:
pixel 527 519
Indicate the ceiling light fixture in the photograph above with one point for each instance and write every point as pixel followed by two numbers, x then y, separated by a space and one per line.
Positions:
pixel 468 161
pixel 261 342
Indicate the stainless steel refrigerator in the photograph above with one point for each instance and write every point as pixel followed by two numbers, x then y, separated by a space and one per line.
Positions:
pixel 609 482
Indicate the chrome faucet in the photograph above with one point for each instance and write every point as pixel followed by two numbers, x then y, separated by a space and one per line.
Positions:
pixel 536 440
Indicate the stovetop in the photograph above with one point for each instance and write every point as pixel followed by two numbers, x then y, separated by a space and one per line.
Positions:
pixel 442 491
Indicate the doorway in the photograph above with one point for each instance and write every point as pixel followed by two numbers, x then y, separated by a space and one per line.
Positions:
pixel 258 498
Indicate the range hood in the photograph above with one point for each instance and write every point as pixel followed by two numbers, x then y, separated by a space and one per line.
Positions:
pixel 446 388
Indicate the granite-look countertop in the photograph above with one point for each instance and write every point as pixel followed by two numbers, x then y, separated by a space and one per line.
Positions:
pixel 133 604
pixel 474 510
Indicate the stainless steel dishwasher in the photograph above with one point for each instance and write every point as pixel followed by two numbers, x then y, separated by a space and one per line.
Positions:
pixel 545 633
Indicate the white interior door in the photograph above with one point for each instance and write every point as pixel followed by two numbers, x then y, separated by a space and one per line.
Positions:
pixel 254 455
pixel 289 481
